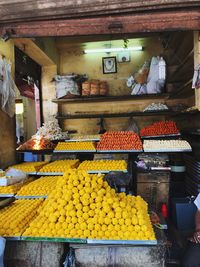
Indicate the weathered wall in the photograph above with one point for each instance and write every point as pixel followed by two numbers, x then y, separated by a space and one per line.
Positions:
pixel 7 124
pixel 72 60
pixel 48 91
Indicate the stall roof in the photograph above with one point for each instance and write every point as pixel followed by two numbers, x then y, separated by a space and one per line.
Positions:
pixel 42 18
pixel 31 10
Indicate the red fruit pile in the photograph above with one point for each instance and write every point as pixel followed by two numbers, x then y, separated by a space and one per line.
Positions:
pixel 119 141
pixel 160 128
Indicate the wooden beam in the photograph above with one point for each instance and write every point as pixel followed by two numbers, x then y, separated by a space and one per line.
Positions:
pixel 33 51
pixel 149 22
pixel 31 10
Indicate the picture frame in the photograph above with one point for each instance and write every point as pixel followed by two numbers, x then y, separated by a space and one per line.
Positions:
pixel 109 65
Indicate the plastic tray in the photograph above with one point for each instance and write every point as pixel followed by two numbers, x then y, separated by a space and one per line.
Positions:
pixel 55 239
pixel 84 140
pixel 122 242
pixel 7 195
pixel 29 197
pixel 167 150
pixel 50 173
pixel 73 151
pixel 160 136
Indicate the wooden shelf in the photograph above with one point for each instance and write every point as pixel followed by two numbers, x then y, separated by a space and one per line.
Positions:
pixel 110 98
pixel 117 115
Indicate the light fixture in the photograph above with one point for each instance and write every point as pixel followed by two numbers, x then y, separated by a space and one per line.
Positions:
pixel 114 49
pixel 19 108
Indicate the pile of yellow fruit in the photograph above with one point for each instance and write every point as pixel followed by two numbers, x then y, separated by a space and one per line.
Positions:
pixel 84 206
pixel 15 218
pixel 40 187
pixel 14 188
pixel 60 165
pixel 103 165
pixel 74 146
pixel 29 166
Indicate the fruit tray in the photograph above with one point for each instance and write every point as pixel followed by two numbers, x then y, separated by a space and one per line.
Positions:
pixel 50 173
pixel 83 140
pixel 29 197
pixel 167 150
pixel 119 151
pixel 6 195
pixel 90 241
pixel 122 242
pixel 55 239
pixel 158 136
pixel 73 151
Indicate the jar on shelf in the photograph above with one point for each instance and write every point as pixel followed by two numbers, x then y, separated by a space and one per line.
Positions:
pixel 103 88
pixel 94 88
pixel 86 88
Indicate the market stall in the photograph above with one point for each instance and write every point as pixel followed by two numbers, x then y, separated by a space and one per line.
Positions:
pixel 102 196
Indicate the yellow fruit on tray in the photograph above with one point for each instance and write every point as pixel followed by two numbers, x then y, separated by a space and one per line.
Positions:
pixel 13 189
pixel 60 165
pixel 103 165
pixel 29 166
pixel 74 146
pixel 15 218
pixel 40 187
pixel 89 213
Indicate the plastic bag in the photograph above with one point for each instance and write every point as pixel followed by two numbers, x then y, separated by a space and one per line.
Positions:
pixel 16 176
pixel 156 77
pixel 7 88
pixel 132 127
pixel 118 179
pixel 138 81
pixel 65 85
pixel 2 248
pixel 70 259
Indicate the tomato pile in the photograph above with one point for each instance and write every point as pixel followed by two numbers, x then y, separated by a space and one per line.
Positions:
pixel 160 128
pixel 120 141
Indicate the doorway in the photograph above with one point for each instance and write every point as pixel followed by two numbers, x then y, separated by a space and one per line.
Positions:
pixel 28 100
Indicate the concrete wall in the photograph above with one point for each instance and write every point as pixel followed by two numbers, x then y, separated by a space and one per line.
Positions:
pixel 7 124
pixel 72 60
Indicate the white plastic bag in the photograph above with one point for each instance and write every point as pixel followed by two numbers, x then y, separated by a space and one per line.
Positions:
pixel 7 88
pixel 157 76
pixel 139 89
pixel 2 248
pixel 65 85
pixel 16 176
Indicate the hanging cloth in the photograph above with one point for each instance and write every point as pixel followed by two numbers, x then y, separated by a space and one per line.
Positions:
pixel 196 78
pixel 7 88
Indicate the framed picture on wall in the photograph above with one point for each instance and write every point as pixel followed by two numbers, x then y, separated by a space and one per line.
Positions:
pixel 109 65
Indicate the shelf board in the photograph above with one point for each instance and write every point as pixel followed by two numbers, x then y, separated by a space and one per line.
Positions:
pixel 38 152
pixel 109 98
pixel 118 115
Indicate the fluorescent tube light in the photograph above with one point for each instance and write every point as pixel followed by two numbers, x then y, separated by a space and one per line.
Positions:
pixel 114 49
